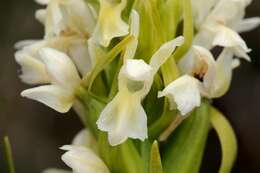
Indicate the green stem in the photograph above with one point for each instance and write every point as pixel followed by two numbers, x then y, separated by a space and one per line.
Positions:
pixel 8 155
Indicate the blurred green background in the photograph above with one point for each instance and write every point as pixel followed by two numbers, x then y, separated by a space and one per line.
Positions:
pixel 36 131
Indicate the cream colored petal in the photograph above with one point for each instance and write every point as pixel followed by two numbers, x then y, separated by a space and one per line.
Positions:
pixel 110 24
pixel 183 92
pixel 123 118
pixel 136 70
pixel 25 43
pixel 33 70
pixel 85 138
pixel 54 20
pixel 80 55
pixel 81 16
pixel 51 95
pixel 83 160
pixel 43 2
pixel 228 38
pixel 201 9
pixel 248 24
pixel 54 170
pixel 134 31
pixel 164 52
pixel 60 68
pixel 224 73
pixel 40 15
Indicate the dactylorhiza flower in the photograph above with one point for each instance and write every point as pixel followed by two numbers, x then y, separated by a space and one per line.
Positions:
pixel 33 71
pixel 124 117
pixel 60 69
pixel 66 17
pixel 81 157
pixel 206 78
pixel 219 26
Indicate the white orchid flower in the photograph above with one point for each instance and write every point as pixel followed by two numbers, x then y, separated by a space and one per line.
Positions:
pixel 110 23
pixel 66 17
pixel 222 24
pixel 59 95
pixel 206 78
pixel 83 160
pixel 84 138
pixel 124 117
pixel 33 71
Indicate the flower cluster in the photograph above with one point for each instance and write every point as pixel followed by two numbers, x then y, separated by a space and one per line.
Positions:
pixel 122 57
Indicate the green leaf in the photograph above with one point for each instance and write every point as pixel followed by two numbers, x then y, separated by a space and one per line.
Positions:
pixel 227 139
pixel 8 155
pixel 184 150
pixel 155 162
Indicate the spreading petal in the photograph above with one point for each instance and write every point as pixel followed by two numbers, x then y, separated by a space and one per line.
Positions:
pixel 134 31
pixel 183 93
pixel 51 95
pixel 248 24
pixel 164 52
pixel 228 38
pixel 83 160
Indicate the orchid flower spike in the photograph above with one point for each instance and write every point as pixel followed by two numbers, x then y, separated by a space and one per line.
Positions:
pixel 207 78
pixel 66 17
pixel 59 95
pixel 82 160
pixel 124 117
pixel 110 23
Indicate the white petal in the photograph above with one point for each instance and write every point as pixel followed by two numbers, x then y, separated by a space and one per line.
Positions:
pixel 137 70
pixel 54 170
pixel 25 43
pixel 228 38
pixel 80 55
pixel 43 2
pixel 123 118
pixel 165 51
pixel 83 160
pixel 85 138
pixel 51 95
pixel 183 92
pixel 201 9
pixel 248 24
pixel 134 31
pixel 224 73
pixel 81 16
pixel 60 68
pixel 33 70
pixel 54 20
pixel 110 24
pixel 40 15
